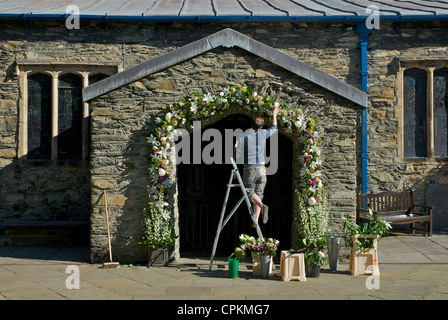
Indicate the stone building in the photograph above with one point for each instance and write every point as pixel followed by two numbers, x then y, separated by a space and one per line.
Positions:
pixel 81 88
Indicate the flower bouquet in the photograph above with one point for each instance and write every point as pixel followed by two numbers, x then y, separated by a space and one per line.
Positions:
pixel 264 247
pixel 247 240
pixel 314 261
pixel 262 252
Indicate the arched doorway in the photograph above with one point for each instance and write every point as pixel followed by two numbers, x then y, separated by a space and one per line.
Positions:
pixel 202 189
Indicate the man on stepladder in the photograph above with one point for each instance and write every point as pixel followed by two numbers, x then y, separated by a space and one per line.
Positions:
pixel 249 150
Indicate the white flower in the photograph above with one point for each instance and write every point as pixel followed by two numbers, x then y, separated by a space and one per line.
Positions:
pixel 311 201
pixel 168 116
pixel 208 98
pixel 194 107
pixel 276 104
pixel 303 171
pixel 222 100
pixel 165 214
pixel 298 124
pixel 161 172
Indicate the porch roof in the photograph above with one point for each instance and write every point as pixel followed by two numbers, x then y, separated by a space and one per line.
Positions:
pixel 225 10
pixel 226 38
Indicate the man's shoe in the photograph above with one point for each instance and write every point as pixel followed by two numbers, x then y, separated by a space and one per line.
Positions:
pixel 265 214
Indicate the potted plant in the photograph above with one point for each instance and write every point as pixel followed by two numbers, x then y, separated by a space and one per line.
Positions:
pixel 363 241
pixel 159 234
pixel 314 261
pixel 233 261
pixel 266 249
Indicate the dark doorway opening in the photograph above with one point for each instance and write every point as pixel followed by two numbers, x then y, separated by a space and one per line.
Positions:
pixel 202 190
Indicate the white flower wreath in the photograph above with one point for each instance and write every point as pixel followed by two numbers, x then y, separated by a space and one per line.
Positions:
pixel 202 107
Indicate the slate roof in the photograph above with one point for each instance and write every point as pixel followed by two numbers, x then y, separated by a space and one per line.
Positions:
pixel 220 9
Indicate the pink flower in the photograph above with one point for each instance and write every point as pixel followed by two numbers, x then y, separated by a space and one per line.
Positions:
pixel 313 183
pixel 307 159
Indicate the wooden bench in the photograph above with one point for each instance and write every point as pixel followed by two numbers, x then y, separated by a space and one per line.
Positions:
pixel 397 208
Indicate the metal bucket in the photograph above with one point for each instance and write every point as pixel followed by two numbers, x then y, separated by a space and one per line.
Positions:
pixel 333 246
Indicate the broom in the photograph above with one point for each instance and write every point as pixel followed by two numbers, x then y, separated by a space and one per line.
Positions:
pixel 108 264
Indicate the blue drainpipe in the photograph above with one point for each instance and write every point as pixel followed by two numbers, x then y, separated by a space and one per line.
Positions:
pixel 363 32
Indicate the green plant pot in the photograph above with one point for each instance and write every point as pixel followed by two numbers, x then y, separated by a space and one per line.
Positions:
pixel 233 268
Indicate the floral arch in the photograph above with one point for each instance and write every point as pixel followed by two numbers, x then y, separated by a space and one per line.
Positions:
pixel 161 190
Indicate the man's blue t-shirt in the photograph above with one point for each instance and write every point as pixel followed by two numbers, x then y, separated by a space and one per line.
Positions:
pixel 251 145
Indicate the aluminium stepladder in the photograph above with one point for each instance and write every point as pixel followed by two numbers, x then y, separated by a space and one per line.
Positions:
pixel 222 223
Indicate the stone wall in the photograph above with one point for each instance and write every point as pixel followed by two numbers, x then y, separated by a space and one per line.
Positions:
pixel 387 170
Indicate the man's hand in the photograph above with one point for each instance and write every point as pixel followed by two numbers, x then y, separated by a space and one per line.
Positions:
pixel 276 108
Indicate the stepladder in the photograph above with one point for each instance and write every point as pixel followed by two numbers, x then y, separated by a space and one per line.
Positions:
pixel 234 174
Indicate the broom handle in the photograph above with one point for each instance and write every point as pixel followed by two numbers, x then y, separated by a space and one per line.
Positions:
pixel 107 222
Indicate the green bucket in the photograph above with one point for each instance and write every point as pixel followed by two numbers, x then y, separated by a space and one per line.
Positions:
pixel 233 268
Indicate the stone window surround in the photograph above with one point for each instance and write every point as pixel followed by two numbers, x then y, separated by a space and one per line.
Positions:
pixel 54 69
pixel 429 65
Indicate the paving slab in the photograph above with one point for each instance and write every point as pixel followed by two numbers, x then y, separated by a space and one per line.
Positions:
pixel 413 248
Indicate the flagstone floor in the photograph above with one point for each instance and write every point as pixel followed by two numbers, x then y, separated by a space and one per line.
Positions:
pixel 411 267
